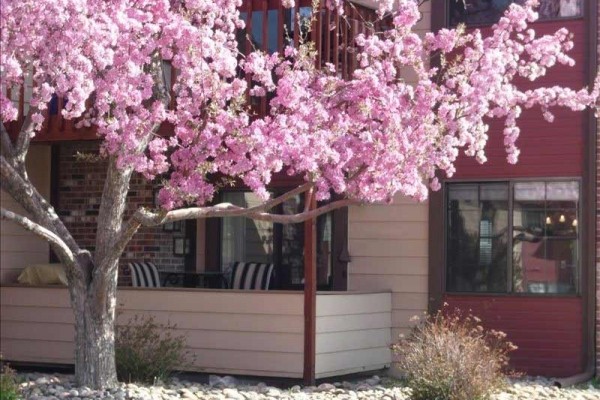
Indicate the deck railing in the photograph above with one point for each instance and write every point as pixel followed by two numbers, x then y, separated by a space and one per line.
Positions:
pixel 269 27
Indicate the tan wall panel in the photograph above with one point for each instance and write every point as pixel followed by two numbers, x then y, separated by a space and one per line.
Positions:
pixel 234 302
pixel 396 212
pixel 217 321
pixel 389 249
pixel 352 329
pixel 341 363
pixel 389 265
pixel 44 331
pixel 19 248
pixel 409 301
pixel 352 322
pixel 395 283
pixel 242 339
pixel 352 303
pixel 38 351
pixel 386 230
pixel 352 340
pixel 33 314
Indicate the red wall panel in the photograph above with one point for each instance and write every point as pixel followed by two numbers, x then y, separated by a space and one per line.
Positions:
pixel 547 330
pixel 547 149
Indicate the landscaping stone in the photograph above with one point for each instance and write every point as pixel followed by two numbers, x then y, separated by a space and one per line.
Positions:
pixel 48 387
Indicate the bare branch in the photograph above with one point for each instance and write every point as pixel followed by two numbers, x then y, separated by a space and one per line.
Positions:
pixel 149 218
pixel 65 253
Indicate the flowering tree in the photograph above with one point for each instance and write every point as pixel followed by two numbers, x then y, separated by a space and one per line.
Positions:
pixel 365 138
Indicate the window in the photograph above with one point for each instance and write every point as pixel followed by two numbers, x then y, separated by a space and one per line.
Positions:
pixel 485 12
pixel 477 237
pixel 519 237
pixel 248 240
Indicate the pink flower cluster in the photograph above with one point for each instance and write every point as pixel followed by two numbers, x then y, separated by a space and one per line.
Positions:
pixel 367 137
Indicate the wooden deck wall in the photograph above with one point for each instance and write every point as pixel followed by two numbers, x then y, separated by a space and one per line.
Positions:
pixel 229 332
pixel 353 333
pixel 19 248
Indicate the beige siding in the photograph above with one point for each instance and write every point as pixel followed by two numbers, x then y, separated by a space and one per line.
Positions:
pixel 353 333
pixel 228 332
pixel 388 245
pixel 19 248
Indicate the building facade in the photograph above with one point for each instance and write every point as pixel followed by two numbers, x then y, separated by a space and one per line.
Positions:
pixel 516 244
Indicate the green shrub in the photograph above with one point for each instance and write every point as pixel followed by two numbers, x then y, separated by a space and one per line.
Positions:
pixel 9 389
pixel 448 356
pixel 147 351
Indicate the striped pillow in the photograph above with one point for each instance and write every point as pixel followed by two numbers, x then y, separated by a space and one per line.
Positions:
pixel 144 274
pixel 251 276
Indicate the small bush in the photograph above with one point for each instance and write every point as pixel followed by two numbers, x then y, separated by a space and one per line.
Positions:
pixel 147 351
pixel 449 356
pixel 9 389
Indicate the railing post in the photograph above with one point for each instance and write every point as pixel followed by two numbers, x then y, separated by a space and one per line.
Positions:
pixel 310 292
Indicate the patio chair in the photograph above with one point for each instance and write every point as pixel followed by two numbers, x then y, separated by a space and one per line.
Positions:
pixel 250 275
pixel 144 274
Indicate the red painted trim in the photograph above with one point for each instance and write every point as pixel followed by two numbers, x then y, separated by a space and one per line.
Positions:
pixel 310 293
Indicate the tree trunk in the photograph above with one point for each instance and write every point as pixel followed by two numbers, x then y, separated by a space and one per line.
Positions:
pixel 94 306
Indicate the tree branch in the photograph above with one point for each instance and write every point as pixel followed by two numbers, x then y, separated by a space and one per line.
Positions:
pixel 7 149
pixel 149 218
pixel 23 140
pixel 64 252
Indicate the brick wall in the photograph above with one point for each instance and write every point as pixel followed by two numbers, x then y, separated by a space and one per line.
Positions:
pixel 79 190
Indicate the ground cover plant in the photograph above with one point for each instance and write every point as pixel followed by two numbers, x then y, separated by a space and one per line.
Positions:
pixel 147 351
pixel 450 356
pixel 9 388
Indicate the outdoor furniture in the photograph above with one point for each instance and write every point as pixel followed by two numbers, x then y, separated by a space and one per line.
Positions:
pixel 43 274
pixel 250 275
pixel 144 274
pixel 201 279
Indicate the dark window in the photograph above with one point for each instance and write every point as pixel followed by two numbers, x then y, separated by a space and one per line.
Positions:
pixel 485 12
pixel 248 240
pixel 543 253
pixel 477 237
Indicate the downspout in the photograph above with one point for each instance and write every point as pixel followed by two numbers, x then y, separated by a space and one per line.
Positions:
pixel 590 182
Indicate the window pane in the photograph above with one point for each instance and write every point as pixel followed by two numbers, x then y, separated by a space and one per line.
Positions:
pixel 545 237
pixel 483 12
pixel 244 239
pixel 292 254
pixel 477 237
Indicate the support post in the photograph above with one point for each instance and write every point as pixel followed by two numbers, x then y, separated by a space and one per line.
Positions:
pixel 310 292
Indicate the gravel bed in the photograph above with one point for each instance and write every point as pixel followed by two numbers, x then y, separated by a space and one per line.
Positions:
pixel 37 386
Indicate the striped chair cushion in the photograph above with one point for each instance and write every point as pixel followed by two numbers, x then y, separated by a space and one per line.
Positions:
pixel 251 276
pixel 144 274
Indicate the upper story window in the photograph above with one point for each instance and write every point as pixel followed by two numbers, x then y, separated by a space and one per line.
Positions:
pixel 487 12
pixel 513 237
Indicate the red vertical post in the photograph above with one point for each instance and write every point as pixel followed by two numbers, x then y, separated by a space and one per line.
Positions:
pixel 310 292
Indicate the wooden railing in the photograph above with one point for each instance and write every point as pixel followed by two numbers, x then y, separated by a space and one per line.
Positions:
pixel 269 27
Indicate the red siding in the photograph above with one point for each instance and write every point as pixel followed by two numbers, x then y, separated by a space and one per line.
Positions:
pixel 547 149
pixel 548 331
